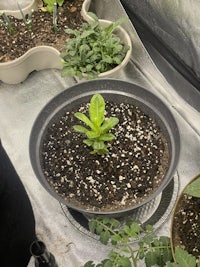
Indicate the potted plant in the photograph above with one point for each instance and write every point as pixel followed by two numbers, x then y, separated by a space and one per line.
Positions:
pixel 98 48
pixel 130 244
pixel 35 41
pixel 140 162
pixel 29 41
pixel 185 227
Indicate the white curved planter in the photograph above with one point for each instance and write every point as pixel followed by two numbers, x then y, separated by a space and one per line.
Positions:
pixel 37 58
pixel 11 7
pixel 125 38
pixel 84 10
pixel 45 57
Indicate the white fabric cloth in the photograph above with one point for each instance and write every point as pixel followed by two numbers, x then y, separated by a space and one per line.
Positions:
pixel 176 23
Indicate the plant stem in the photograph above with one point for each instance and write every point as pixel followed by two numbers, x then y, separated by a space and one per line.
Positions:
pixel 8 23
pixel 133 256
pixel 120 239
pixel 55 17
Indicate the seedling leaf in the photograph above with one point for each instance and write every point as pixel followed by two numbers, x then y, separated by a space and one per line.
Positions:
pixel 106 137
pixel 88 142
pixel 97 109
pixel 80 129
pixel 89 264
pixel 109 124
pixel 150 259
pixel 98 134
pixel 184 259
pixel 92 15
pixel 104 237
pixel 82 117
pixel 193 189
pixel 92 134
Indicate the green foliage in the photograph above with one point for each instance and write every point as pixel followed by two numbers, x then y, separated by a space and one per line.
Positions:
pixel 7 23
pixel 151 249
pixel 98 134
pixel 50 5
pixel 193 188
pixel 92 49
pixel 28 20
pixel 183 259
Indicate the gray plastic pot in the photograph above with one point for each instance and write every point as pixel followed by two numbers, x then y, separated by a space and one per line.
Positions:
pixel 118 91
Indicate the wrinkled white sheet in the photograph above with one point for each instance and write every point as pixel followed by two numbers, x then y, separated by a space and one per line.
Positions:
pixel 19 106
pixel 176 22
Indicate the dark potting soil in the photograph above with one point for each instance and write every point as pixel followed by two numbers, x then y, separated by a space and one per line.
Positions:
pixel 186 226
pixel 132 170
pixel 14 45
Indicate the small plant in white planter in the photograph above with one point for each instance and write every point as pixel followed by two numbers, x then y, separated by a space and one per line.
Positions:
pixel 96 49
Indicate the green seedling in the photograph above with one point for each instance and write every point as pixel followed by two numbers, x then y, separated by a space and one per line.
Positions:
pixel 98 134
pixel 50 5
pixel 27 21
pixel 193 189
pixel 55 27
pixel 183 259
pixel 134 245
pixel 150 249
pixel 92 49
pixel 8 25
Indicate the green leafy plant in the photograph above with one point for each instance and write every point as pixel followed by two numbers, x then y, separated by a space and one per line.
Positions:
pixel 27 20
pixel 50 5
pixel 193 188
pixel 92 49
pixel 7 23
pixel 149 249
pixel 98 134
pixel 152 250
pixel 183 259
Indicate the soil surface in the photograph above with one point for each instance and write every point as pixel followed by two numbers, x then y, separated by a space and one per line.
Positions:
pixel 186 225
pixel 15 44
pixel 132 170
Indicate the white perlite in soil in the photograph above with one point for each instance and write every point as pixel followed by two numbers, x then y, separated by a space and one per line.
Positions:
pixel 133 169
